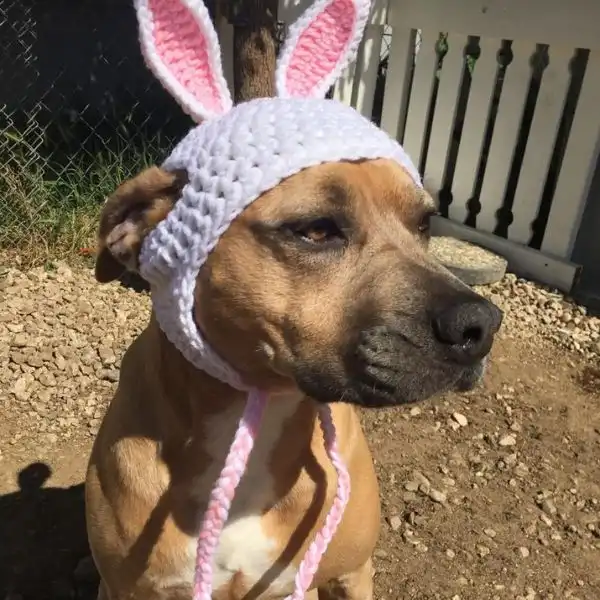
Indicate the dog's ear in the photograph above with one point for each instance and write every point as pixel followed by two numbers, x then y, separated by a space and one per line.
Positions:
pixel 135 208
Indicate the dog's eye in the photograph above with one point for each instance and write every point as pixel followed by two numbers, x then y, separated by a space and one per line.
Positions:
pixel 319 231
pixel 425 224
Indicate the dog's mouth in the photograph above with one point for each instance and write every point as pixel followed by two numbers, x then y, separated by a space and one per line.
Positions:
pixel 398 387
pixel 390 376
pixel 383 388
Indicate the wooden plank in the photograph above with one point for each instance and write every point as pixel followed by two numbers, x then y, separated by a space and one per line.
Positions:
pixel 397 83
pixel 573 23
pixel 522 260
pixel 476 118
pixel 578 166
pixel 379 12
pixel 540 144
pixel 445 112
pixel 420 95
pixel 367 70
pixel 343 89
pixel 506 131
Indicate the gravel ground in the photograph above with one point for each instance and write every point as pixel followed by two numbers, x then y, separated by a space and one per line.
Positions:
pixel 492 494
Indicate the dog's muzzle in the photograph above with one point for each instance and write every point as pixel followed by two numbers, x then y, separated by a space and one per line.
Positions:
pixel 407 362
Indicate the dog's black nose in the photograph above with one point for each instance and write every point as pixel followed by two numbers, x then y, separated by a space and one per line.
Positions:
pixel 466 329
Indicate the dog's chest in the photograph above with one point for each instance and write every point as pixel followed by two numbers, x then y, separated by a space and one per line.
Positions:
pixel 247 553
pixel 245 556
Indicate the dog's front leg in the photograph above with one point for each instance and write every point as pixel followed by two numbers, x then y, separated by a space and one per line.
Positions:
pixel 357 585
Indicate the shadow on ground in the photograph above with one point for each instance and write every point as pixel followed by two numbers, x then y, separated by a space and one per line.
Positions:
pixel 44 552
pixel 134 282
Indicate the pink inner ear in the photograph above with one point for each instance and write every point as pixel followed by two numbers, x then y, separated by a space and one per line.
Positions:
pixel 320 47
pixel 181 45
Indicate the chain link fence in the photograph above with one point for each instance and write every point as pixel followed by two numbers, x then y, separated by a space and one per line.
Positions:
pixel 79 113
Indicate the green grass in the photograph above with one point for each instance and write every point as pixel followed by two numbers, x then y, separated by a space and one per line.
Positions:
pixel 48 213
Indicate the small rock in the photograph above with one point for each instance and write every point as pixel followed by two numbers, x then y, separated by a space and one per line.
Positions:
pixel 460 419
pixel 418 476
pixel 483 551
pixel 425 488
pixel 523 551
pixel 437 496
pixel 34 361
pixel 508 440
pixel 548 506
pixel 415 411
pixel 395 522
pixel 106 355
pixel 47 379
pixel 521 470
pixel 19 341
pixel 546 520
pixel 110 375
pixel 21 388
pixel 491 533
pixel 17 357
pixel 450 554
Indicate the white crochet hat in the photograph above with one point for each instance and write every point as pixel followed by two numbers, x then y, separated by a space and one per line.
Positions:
pixel 237 153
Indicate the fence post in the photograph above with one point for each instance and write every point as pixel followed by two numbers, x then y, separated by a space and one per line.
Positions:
pixel 254 47
pixel 586 251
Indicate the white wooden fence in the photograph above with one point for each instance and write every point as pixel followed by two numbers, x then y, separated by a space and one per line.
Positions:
pixel 499 106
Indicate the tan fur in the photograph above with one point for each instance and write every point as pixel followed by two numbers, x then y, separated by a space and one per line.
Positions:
pixel 164 436
pixel 128 216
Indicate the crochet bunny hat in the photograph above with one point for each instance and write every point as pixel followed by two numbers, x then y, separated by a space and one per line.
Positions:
pixel 231 158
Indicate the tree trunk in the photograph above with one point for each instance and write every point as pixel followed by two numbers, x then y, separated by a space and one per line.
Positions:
pixel 255 47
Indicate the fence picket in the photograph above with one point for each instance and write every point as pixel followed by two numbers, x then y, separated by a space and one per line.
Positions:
pixel 506 131
pixel 476 118
pixel 578 166
pixel 420 95
pixel 445 112
pixel 540 144
pixel 368 69
pixel 397 83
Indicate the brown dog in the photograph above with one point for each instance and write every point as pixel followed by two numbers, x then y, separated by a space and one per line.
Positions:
pixel 321 291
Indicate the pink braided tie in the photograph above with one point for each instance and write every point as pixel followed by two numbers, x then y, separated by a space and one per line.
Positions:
pixel 224 491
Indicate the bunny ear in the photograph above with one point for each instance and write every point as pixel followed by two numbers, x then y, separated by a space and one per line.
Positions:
pixel 319 46
pixel 181 48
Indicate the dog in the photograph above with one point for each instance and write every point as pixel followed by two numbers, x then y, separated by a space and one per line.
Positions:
pixel 321 291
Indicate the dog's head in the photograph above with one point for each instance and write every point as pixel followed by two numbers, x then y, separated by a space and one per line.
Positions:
pixel 325 283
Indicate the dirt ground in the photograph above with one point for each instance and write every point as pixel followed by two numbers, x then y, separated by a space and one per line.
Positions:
pixel 494 494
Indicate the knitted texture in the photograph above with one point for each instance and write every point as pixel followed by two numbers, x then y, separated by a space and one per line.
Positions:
pixel 319 45
pixel 310 563
pixel 181 46
pixel 223 493
pixel 232 158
